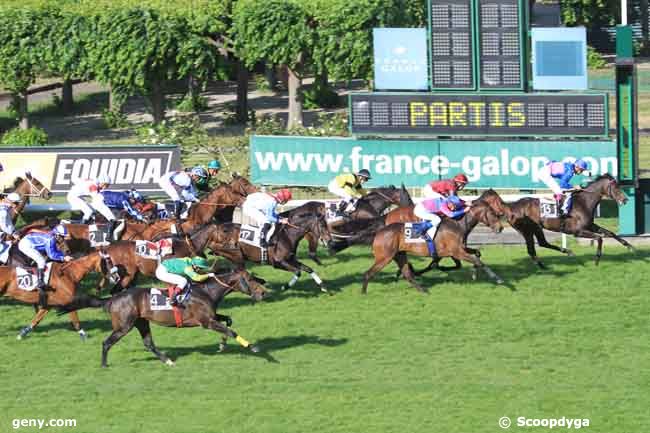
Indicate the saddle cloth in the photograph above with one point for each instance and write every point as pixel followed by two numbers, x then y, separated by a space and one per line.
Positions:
pixel 332 214
pixel 154 250
pixel 249 234
pixel 413 232
pixel 98 234
pixel 548 208
pixel 158 301
pixel 5 247
pixel 166 210
pixel 27 280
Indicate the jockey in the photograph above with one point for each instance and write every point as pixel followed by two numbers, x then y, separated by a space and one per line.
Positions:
pixel 261 207
pixel 563 172
pixel 7 228
pixel 179 186
pixel 174 271
pixel 202 183
pixel 432 209
pixel 34 244
pixel 122 202
pixel 445 187
pixel 349 186
pixel 92 189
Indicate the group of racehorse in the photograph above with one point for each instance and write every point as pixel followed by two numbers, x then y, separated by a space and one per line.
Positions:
pixel 209 227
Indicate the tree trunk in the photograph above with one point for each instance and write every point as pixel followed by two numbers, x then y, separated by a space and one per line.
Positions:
pixel 157 99
pixel 192 90
pixel 242 92
pixel 295 100
pixel 66 96
pixel 271 76
pixel 112 100
pixel 21 108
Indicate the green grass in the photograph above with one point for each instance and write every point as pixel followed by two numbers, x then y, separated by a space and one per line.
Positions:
pixel 571 341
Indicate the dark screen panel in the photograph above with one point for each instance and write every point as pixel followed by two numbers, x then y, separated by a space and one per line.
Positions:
pixel 500 47
pixel 450 27
pixel 525 114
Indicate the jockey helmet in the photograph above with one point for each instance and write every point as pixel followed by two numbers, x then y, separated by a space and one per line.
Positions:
pixel 104 178
pixel 454 200
pixel 14 197
pixel 581 164
pixel 199 172
pixel 200 262
pixel 363 173
pixel 461 178
pixel 214 164
pixel 284 195
pixel 136 196
pixel 60 230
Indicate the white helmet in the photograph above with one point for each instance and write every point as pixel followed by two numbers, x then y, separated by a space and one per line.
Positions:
pixel 104 178
pixel 60 230
pixel 14 197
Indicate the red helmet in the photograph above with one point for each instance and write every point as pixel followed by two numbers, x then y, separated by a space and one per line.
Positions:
pixel 284 195
pixel 461 178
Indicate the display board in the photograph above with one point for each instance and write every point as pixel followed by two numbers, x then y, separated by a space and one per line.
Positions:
pixel 524 114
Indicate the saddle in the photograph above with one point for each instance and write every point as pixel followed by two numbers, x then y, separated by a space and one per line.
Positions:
pixel 416 232
pixel 251 235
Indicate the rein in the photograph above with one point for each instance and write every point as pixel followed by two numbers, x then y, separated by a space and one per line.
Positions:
pixel 384 196
pixel 32 188
pixel 230 286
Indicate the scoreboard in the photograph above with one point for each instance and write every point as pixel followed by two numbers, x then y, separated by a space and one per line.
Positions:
pixel 477 44
pixel 523 114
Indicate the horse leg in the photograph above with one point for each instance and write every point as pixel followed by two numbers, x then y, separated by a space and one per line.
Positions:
pixel 542 242
pixel 529 237
pixel 404 265
pixel 296 267
pixel 228 321
pixel 313 247
pixel 74 319
pixel 35 321
pixel 114 338
pixel 603 231
pixel 147 339
pixel 599 239
pixel 479 264
pixel 216 325
pixel 292 281
pixel 376 267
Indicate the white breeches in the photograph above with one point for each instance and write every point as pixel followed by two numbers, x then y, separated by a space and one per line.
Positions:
pixel 78 203
pixel 335 189
pixel 169 188
pixel 167 277
pixel 255 214
pixel 422 213
pixel 549 181
pixel 427 192
pixel 26 248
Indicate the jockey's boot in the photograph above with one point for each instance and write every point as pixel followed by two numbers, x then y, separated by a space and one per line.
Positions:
pixel 560 209
pixel 111 230
pixel 263 232
pixel 40 283
pixel 340 211
pixel 87 220
pixel 181 297
pixel 178 209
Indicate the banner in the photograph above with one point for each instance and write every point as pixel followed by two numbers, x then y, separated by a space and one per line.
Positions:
pixel 400 59
pixel 314 161
pixel 138 167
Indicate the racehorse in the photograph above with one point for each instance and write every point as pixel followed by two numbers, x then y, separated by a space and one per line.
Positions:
pixel 122 254
pixel 369 207
pixel 27 187
pixel 308 218
pixel 389 244
pixel 132 308
pixel 524 216
pixel 64 278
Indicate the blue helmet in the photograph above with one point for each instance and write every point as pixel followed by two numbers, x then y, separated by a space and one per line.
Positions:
pixel 199 172
pixel 136 196
pixel 582 164
pixel 455 200
pixel 60 230
pixel 214 164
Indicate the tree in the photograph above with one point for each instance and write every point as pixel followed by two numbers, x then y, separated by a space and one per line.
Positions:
pixel 279 32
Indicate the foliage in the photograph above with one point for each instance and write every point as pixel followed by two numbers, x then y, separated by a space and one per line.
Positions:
pixel 267 124
pixel 321 96
pixel 595 60
pixel 24 137
pixel 590 13
pixel 115 119
pixel 261 83
pixel 184 131
pixel 328 125
pixel 191 104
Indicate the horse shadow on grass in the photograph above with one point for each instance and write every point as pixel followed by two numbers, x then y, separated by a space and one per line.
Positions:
pixel 267 347
pixel 92 327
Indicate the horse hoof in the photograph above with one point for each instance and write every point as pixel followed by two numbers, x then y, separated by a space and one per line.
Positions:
pixel 283 288
pixel 228 322
pixel 222 348
pixel 570 253
pixel 499 281
pixel 24 333
pixel 83 335
pixel 104 366
pixel 253 348
pixel 170 363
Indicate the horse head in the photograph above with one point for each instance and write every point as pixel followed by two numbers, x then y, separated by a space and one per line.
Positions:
pixel 313 222
pixel 405 199
pixel 494 200
pixel 247 285
pixel 606 186
pixel 242 185
pixel 31 187
pixel 483 213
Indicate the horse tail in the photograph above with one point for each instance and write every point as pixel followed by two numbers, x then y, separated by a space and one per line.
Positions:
pixel 85 301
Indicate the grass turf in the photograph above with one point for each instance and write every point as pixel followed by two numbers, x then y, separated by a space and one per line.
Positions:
pixel 571 341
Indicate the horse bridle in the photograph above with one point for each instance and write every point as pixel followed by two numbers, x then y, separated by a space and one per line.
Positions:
pixel 34 187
